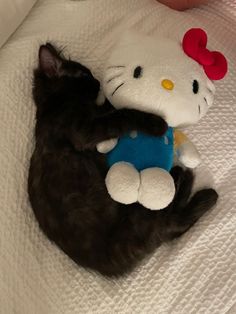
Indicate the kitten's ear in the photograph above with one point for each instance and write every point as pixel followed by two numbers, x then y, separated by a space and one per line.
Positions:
pixel 49 60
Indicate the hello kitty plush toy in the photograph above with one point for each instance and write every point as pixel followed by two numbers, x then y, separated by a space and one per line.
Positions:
pixel 167 78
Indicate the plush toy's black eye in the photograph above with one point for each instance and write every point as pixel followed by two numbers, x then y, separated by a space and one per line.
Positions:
pixel 195 86
pixel 138 72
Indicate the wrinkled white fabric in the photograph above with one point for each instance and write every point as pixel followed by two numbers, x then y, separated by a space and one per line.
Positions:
pixel 12 13
pixel 197 273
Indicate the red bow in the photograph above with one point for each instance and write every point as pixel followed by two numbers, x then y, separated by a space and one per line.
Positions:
pixel 213 62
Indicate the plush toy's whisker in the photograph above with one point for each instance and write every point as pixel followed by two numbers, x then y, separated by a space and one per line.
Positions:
pixel 206 101
pixel 114 77
pixel 210 90
pixel 199 109
pixel 117 88
pixel 115 66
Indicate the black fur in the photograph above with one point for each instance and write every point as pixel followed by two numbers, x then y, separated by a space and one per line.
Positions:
pixel 66 177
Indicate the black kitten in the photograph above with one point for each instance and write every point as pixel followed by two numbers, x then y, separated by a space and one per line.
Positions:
pixel 67 175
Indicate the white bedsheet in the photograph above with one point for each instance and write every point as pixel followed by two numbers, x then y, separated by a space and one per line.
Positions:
pixel 12 13
pixel 197 273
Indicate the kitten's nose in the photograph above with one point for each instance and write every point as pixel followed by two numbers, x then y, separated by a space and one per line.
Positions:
pixel 167 84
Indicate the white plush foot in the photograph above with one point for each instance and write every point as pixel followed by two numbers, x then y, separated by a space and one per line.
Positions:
pixel 123 182
pixel 157 188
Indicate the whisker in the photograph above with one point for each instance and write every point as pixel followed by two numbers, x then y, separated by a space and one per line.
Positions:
pixel 114 77
pixel 199 109
pixel 116 66
pixel 211 91
pixel 206 101
pixel 117 88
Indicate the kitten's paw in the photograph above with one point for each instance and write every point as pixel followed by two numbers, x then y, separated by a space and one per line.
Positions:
pixel 183 185
pixel 200 203
pixel 153 124
pixel 158 126
pixel 177 173
pixel 206 198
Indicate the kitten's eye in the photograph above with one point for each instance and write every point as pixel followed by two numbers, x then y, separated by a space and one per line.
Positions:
pixel 138 72
pixel 81 74
pixel 195 86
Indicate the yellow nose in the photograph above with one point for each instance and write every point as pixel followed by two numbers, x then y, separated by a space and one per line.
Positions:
pixel 167 84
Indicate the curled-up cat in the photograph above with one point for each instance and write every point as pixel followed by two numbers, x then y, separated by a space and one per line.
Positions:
pixel 66 182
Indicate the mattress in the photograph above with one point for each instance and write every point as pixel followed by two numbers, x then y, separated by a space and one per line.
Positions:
pixel 197 273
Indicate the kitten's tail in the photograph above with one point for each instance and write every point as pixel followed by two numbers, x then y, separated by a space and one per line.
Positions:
pixel 139 231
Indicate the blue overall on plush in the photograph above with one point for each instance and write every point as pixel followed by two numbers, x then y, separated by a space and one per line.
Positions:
pixel 144 151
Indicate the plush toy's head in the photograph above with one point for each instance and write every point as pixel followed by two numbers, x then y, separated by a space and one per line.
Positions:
pixel 163 76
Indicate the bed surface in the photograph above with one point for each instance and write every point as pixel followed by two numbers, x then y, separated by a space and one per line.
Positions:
pixel 197 273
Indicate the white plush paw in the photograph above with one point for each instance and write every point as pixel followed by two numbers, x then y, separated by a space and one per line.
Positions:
pixel 189 156
pixel 123 182
pixel 157 188
pixel 101 98
pixel 106 146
